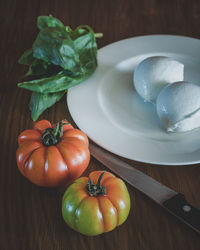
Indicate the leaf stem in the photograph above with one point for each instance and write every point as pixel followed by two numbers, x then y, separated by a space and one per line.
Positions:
pixel 98 35
pixel 52 136
pixel 98 189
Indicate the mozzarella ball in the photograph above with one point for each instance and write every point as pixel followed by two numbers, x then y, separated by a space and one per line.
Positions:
pixel 178 106
pixel 154 73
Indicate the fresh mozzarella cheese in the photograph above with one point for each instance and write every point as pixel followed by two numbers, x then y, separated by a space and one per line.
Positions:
pixel 178 106
pixel 154 73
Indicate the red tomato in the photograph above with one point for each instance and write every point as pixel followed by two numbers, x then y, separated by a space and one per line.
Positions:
pixel 96 204
pixel 52 155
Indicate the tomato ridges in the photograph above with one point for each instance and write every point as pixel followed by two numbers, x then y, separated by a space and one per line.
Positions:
pixel 100 209
pixel 75 211
pixel 67 143
pixel 65 196
pixel 62 156
pixel 45 164
pixel 29 135
pixel 28 158
pixel 117 212
pixel 104 181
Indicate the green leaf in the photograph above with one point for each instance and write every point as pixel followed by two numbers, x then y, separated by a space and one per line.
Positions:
pixel 44 69
pixel 55 83
pixel 86 46
pixel 79 31
pixel 44 22
pixel 55 46
pixel 60 58
pixel 40 102
pixel 27 57
pixel 84 42
pixel 38 67
pixel 68 29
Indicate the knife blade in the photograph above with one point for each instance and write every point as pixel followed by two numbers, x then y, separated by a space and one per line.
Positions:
pixel 172 201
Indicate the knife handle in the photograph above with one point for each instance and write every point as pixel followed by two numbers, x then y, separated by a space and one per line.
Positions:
pixel 179 206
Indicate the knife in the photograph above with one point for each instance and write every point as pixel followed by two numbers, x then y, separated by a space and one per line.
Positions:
pixel 173 202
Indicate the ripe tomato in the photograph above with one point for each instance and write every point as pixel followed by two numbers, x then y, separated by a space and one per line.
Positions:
pixel 52 155
pixel 96 204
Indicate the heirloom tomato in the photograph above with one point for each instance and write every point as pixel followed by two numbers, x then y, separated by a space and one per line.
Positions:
pixel 96 204
pixel 52 155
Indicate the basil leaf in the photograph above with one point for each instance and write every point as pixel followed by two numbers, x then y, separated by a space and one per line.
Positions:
pixel 27 57
pixel 86 46
pixel 55 83
pixel 38 67
pixel 60 58
pixel 44 22
pixel 41 68
pixel 55 46
pixel 79 31
pixel 40 102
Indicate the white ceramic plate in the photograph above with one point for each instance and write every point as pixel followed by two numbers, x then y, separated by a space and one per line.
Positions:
pixel 108 109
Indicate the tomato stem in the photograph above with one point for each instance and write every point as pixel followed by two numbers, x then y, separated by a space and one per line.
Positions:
pixel 98 189
pixel 52 136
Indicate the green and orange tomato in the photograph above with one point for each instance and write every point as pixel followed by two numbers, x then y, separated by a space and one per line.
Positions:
pixel 96 204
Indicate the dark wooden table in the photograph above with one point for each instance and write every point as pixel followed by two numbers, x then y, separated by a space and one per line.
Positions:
pixel 30 216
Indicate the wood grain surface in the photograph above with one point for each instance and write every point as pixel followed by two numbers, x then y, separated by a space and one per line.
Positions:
pixel 30 216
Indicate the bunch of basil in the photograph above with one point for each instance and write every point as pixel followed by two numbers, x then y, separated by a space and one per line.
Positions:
pixel 59 59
